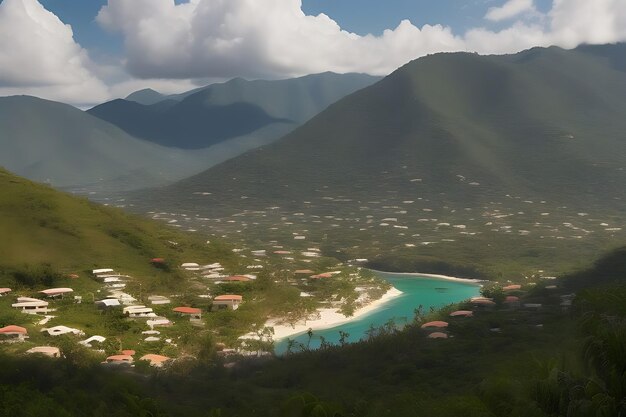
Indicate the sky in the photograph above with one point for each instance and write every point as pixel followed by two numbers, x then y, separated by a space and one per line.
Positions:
pixel 89 51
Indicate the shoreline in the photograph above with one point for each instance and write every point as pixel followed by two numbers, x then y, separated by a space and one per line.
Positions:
pixel 437 276
pixel 329 317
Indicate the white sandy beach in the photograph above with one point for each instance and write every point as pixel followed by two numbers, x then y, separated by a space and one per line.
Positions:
pixel 442 277
pixel 329 317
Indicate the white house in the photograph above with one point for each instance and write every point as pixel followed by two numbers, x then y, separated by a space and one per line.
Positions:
pixel 50 351
pixel 31 305
pixel 61 330
pixel 139 311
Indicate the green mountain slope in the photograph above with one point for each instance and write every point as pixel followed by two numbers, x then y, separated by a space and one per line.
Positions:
pixel 53 142
pixel 44 226
pixel 462 152
pixel 224 111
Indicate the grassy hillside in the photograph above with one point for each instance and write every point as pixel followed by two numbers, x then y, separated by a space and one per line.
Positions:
pixel 225 111
pixel 42 226
pixel 505 163
pixel 57 143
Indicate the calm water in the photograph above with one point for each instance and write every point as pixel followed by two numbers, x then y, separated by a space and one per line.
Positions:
pixel 417 290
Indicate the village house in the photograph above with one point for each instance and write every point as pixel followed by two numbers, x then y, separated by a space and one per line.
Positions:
pixel 139 311
pixel 56 292
pixel 119 360
pixel 61 330
pixel 227 301
pixel 12 333
pixel 155 360
pixel 4 291
pixel 193 313
pixel 51 351
pixel 31 305
pixel 107 303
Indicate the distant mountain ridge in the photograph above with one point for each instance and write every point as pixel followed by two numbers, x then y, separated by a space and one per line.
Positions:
pixel 219 112
pixel 57 143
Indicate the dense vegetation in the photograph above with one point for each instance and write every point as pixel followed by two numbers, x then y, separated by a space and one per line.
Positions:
pixel 546 363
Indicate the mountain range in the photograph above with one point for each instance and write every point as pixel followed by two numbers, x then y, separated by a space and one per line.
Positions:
pixel 68 148
pixel 450 149
pixel 219 112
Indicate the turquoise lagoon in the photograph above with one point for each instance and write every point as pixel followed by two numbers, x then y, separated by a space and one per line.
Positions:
pixel 416 290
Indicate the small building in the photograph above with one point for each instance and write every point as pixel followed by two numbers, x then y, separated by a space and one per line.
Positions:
pixel 4 291
pixel 56 292
pixel 513 287
pixel 155 360
pixel 50 351
pixel 462 313
pixel 437 335
pixel 61 330
pixel 119 360
pixel 227 301
pixel 108 303
pixel 483 303
pixel 158 300
pixel 437 324
pixel 139 311
pixel 31 305
pixel 12 333
pixel 193 313
pixel 237 278
pixel 158 322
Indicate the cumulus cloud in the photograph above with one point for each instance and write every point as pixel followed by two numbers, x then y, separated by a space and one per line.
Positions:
pixel 38 56
pixel 510 9
pixel 274 38
pixel 225 38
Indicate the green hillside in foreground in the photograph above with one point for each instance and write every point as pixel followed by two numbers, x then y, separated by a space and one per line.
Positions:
pixel 485 160
pixel 219 112
pixel 555 360
pixel 41 226
pixel 60 144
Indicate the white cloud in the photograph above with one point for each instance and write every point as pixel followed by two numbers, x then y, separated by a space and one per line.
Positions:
pixel 274 38
pixel 510 9
pixel 225 38
pixel 38 56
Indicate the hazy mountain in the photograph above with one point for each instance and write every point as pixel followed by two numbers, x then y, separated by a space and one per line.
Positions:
pixel 220 112
pixel 146 96
pixel 57 143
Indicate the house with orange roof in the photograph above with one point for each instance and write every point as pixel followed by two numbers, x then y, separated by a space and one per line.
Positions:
pixel 192 312
pixel 155 360
pixel 227 301
pixel 13 333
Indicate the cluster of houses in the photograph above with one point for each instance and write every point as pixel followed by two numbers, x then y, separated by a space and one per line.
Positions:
pixel 115 284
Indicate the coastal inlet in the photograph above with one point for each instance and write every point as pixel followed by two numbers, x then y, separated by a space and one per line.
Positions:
pixel 416 290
